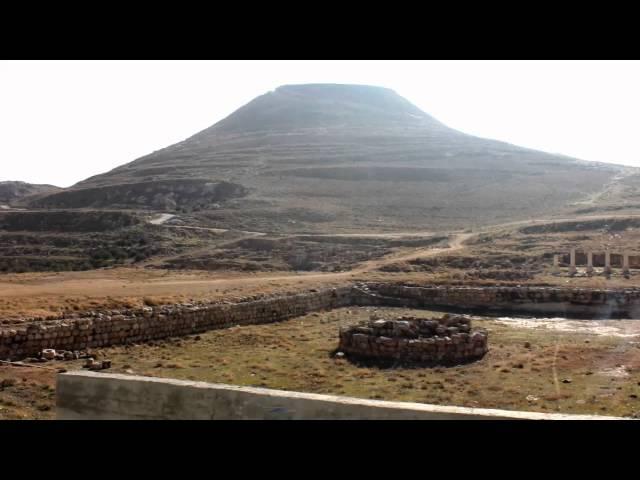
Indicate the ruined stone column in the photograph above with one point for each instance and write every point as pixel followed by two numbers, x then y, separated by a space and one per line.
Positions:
pixel 572 262
pixel 625 264
pixel 607 262
pixel 589 263
pixel 556 265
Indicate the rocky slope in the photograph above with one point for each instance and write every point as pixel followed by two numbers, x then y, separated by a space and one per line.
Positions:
pixel 16 192
pixel 341 158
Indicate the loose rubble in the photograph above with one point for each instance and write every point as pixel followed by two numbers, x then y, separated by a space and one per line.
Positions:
pixel 93 364
pixel 49 354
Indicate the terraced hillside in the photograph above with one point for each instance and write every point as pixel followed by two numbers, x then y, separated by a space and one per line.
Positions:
pixel 341 158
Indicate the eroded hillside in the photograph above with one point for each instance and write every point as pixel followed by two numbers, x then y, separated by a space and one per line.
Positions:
pixel 312 158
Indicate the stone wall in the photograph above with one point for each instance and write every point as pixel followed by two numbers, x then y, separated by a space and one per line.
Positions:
pixel 99 329
pixel 134 326
pixel 557 301
pixel 408 340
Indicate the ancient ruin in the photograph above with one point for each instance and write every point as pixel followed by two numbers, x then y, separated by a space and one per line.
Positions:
pixel 116 327
pixel 624 261
pixel 409 340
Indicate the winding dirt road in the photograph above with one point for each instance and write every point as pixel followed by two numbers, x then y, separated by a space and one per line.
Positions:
pixel 456 242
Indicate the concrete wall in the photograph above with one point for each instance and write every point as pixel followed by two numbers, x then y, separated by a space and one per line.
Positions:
pixel 99 396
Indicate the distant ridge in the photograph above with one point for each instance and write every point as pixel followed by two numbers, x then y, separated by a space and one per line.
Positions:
pixel 15 191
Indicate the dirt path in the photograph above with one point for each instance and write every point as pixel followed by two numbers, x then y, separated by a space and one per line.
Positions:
pixel 392 235
pixel 608 189
pixel 456 242
pixel 542 221
pixel 40 294
pixel 161 219
pixel 43 293
pixel 112 281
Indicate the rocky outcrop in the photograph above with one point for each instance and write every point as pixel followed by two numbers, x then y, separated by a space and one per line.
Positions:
pixel 162 195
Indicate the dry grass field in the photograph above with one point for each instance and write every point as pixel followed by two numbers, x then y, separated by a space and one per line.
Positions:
pixel 588 367
pixel 548 366
pixel 502 255
pixel 310 186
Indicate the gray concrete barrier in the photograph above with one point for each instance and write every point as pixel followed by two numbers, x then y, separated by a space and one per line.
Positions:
pixel 99 396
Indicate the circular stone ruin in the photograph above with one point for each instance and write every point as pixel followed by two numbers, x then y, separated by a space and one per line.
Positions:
pixel 409 340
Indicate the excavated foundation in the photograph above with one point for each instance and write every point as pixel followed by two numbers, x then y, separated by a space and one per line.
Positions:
pixel 414 341
pixel 109 327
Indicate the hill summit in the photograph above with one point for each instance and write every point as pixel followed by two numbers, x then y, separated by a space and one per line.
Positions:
pixel 323 105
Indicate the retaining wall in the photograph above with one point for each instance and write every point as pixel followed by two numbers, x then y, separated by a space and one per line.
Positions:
pixel 147 324
pixel 566 302
pixel 132 326
pixel 100 396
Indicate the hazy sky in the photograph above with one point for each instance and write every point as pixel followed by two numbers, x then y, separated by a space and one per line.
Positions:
pixel 63 121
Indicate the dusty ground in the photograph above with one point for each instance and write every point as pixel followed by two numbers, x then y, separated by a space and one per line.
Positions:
pixel 41 294
pixel 27 393
pixel 601 360
pixel 46 294
pixel 492 256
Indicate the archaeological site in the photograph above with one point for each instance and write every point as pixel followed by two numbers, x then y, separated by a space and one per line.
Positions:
pixel 325 251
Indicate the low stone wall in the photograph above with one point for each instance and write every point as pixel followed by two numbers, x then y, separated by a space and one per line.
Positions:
pixel 100 329
pixel 568 302
pixel 135 326
pixel 407 340
pixel 101 396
